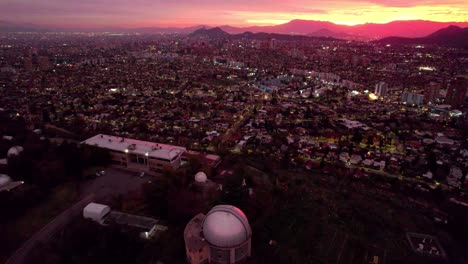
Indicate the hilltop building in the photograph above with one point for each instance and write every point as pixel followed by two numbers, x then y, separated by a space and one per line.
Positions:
pixel 221 236
pixel 139 155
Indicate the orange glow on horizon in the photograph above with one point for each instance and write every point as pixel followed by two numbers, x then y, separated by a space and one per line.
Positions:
pixel 356 13
pixel 273 22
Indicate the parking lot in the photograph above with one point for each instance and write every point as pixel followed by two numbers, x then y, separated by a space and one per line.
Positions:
pixel 114 182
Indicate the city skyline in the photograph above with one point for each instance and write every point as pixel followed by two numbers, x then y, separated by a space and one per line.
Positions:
pixel 144 13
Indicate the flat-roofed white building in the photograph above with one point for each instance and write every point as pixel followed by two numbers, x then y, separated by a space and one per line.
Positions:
pixel 139 155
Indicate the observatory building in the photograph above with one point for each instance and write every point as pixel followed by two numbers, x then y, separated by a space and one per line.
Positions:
pixel 223 236
pixel 14 151
pixel 143 156
pixel 7 184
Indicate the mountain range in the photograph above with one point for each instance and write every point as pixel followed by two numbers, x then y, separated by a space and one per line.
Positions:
pixel 409 28
pixel 368 31
pixel 451 36
pixel 218 33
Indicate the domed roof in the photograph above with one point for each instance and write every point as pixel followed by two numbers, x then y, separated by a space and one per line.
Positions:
pixel 4 180
pixel 226 226
pixel 14 151
pixel 200 177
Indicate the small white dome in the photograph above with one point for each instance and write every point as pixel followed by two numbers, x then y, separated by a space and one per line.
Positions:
pixel 4 180
pixel 14 151
pixel 201 177
pixel 226 226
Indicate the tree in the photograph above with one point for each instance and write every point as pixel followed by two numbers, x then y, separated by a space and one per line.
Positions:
pixel 463 178
pixel 72 159
pixel 370 140
pixel 155 195
pixel 94 156
pixel 84 241
pixel 49 173
pixel 233 191
pixel 357 137
pixel 183 205
pixel 381 142
pixel 432 161
pixel 194 166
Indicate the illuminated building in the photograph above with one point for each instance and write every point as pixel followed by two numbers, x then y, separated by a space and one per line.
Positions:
pixel 373 97
pixel 139 155
pixel 272 43
pixel 381 89
pixel 456 91
pixel 412 98
pixel 222 236
pixel 432 92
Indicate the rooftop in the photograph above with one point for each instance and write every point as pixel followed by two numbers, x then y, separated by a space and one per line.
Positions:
pixel 144 148
pixel 425 245
pixel 131 220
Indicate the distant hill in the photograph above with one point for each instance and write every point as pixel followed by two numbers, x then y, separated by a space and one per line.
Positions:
pixel 286 37
pixel 6 26
pixel 451 36
pixel 410 29
pixel 218 33
pixel 328 33
pixel 163 30
pixel 368 31
pixel 212 33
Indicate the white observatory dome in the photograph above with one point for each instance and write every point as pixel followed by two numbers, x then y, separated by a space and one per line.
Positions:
pixel 201 177
pixel 226 226
pixel 14 151
pixel 4 180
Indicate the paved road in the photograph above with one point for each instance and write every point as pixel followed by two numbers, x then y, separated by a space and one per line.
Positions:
pixel 444 186
pixel 48 231
pixel 114 182
pixel 238 125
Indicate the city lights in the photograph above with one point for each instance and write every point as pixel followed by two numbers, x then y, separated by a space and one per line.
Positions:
pixel 373 97
pixel 327 122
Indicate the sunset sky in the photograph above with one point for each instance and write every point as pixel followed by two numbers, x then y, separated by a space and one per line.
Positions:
pixel 136 13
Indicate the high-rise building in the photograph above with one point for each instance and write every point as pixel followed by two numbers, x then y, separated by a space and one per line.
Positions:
pixel 381 89
pixel 272 43
pixel 432 92
pixel 412 98
pixel 456 91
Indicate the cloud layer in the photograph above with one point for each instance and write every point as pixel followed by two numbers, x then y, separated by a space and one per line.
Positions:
pixel 96 13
